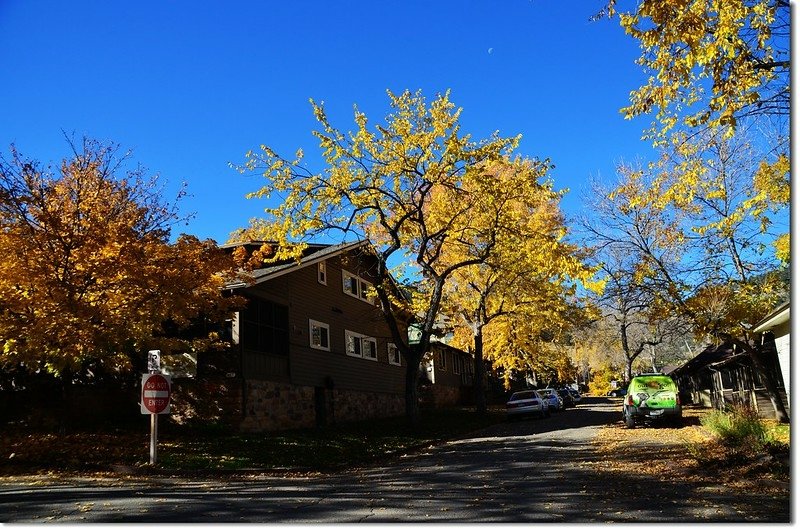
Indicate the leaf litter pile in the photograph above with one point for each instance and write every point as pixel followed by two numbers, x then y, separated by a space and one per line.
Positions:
pixel 688 454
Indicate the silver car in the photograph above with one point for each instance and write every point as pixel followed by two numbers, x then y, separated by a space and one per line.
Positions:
pixel 527 402
pixel 552 397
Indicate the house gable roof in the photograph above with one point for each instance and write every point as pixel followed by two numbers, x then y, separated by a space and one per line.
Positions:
pixel 312 255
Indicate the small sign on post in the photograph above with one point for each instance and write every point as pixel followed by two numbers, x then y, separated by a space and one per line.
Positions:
pixel 154 361
pixel 156 391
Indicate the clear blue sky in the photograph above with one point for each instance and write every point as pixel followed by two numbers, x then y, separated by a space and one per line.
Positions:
pixel 192 86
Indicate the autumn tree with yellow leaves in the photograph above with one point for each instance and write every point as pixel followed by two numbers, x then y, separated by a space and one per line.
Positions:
pixel 528 280
pixel 411 186
pixel 717 69
pixel 712 63
pixel 719 72
pixel 699 259
pixel 89 279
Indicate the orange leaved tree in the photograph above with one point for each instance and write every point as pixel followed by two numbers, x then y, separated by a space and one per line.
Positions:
pixel 89 278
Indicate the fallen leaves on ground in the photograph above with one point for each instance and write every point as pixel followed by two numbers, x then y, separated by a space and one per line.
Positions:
pixel 686 454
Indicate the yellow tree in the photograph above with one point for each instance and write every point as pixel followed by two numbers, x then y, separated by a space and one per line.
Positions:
pixel 378 184
pixel 532 268
pixel 716 69
pixel 712 62
pixel 696 259
pixel 89 279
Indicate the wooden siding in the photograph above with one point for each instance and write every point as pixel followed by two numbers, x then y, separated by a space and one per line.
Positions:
pixel 448 375
pixel 329 304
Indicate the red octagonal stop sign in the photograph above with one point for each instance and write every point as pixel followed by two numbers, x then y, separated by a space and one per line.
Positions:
pixel 155 393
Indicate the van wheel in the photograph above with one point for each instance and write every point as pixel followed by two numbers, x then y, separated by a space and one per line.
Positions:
pixel 630 422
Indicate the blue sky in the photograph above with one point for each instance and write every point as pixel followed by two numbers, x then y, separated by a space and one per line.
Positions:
pixel 192 86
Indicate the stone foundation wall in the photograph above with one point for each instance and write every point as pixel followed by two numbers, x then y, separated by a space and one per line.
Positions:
pixel 277 406
pixel 355 405
pixel 280 406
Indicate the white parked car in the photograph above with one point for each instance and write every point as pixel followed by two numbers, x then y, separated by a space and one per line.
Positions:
pixel 527 402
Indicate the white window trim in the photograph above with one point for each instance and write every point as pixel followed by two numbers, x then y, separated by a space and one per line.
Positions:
pixel 374 343
pixel 362 339
pixel 389 351
pixel 362 287
pixel 322 273
pixel 311 325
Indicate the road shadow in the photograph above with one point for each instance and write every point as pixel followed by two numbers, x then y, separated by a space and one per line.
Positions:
pixel 533 471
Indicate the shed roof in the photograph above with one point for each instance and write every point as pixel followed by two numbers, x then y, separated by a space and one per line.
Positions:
pixel 778 316
pixel 711 355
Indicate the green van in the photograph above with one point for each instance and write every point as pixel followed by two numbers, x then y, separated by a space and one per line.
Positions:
pixel 651 396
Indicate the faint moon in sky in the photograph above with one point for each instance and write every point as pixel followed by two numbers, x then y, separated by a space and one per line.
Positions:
pixel 490 51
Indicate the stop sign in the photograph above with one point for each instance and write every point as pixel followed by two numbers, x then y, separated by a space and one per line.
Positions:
pixel 155 393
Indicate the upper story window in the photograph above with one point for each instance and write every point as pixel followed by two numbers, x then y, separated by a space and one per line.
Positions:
pixel 355 286
pixel 394 354
pixel 441 360
pixel 319 335
pixel 361 346
pixel 322 273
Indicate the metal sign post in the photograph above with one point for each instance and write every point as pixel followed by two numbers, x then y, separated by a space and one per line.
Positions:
pixel 153 438
pixel 156 390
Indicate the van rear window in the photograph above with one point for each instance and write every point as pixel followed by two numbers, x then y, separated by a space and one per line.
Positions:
pixel 653 384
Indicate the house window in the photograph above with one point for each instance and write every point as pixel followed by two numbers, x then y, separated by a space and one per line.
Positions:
pixel 319 335
pixel 361 346
pixel 441 360
pixel 456 363
pixel 355 286
pixel 265 327
pixel 394 354
pixel 322 273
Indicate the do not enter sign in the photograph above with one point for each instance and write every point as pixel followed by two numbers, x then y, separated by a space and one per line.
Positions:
pixel 155 393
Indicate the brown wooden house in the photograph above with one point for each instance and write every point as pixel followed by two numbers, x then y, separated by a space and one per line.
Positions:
pixel 446 379
pixel 310 348
pixel 721 376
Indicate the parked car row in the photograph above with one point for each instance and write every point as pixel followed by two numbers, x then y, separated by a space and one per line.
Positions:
pixel 541 402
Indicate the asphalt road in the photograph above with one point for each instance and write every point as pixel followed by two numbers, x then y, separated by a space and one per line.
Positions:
pixel 536 470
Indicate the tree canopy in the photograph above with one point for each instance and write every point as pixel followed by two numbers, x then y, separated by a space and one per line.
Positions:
pixel 711 63
pixel 418 189
pixel 530 279
pixel 88 275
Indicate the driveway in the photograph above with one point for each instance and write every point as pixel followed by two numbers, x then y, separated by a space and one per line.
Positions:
pixel 536 470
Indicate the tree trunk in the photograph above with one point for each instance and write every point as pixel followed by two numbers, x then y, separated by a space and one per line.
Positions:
pixel 480 374
pixel 412 381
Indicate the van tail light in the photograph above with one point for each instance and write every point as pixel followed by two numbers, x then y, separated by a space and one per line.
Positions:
pixel 629 400
pixel 677 399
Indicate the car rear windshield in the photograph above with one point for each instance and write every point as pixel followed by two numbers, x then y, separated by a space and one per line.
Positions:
pixel 652 383
pixel 523 395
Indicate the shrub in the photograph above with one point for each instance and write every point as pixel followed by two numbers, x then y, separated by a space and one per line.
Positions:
pixel 740 428
pixel 600 384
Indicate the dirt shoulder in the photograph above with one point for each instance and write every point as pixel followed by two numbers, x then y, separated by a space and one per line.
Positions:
pixel 687 455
